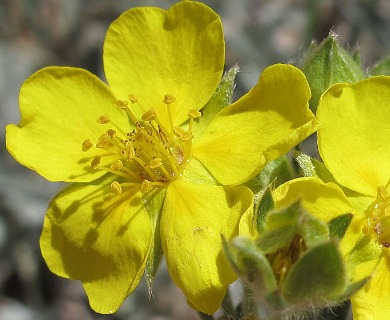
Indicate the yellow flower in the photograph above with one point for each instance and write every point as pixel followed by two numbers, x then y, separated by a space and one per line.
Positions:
pixel 147 169
pixel 353 143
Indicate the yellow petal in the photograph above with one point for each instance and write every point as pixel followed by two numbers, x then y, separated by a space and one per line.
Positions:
pixel 354 135
pixel 373 301
pixel 261 126
pixel 150 52
pixel 59 110
pixel 194 218
pixel 323 200
pixel 99 238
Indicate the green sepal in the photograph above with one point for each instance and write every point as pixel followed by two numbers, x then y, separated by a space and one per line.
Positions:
pixel 352 288
pixel 281 228
pixel 327 64
pixel 154 202
pixel 263 204
pixel 275 173
pixel 381 68
pixel 318 274
pixel 311 229
pixel 250 264
pixel 339 225
pixel 221 98
pixel 311 167
pixel 283 224
pixel 277 301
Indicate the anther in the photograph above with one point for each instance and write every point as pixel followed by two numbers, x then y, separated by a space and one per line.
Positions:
pixel 87 144
pixel 103 119
pixel 155 163
pixel 187 136
pixel 179 131
pixel 117 165
pixel 95 162
pixel 194 114
pixel 111 133
pixel 133 99
pixel 168 99
pixel 146 186
pixel 129 151
pixel 103 141
pixel 121 104
pixel 149 115
pixel 116 187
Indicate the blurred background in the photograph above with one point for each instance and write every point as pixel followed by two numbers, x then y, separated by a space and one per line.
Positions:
pixel 38 33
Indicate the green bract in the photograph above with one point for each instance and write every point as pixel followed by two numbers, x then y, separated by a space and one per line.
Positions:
pixel 294 266
pixel 328 63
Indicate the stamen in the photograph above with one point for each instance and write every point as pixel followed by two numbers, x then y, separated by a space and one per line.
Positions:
pixel 117 165
pixel 121 104
pixel 378 217
pixel 179 131
pixel 166 173
pixel 124 105
pixel 133 99
pixel 146 186
pixel 104 141
pixel 168 100
pixel 116 187
pixel 129 151
pixel 187 136
pixel 194 114
pixel 147 169
pixel 103 119
pixel 155 163
pixel 95 162
pixel 149 116
pixel 149 156
pixel 111 133
pixel 87 144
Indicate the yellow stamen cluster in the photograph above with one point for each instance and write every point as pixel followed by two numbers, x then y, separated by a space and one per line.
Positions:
pixel 282 260
pixel 148 156
pixel 378 217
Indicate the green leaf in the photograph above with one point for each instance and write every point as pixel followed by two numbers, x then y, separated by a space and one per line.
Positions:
pixel 221 98
pixel 318 274
pixel 250 264
pixel 327 64
pixel 339 225
pixel 153 203
pixel 381 68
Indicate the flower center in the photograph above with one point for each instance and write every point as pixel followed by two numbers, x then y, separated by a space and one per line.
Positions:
pixel 378 217
pixel 148 156
pixel 282 260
